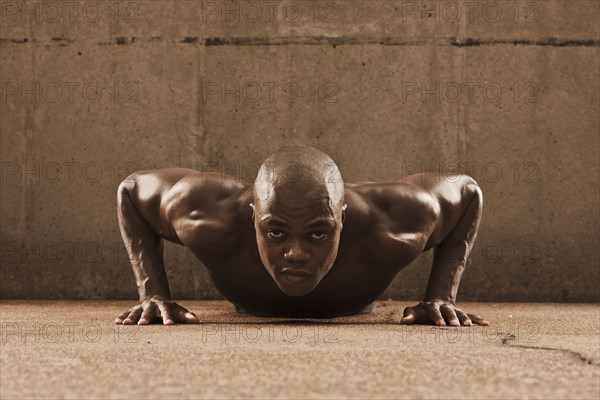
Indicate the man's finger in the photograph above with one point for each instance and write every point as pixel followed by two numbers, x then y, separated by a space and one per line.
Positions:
pixel 449 315
pixel 410 316
pixel 478 320
pixel 409 311
pixel 463 317
pixel 148 314
pixel 183 315
pixel 433 312
pixel 408 319
pixel 166 314
pixel 133 317
pixel 121 317
pixel 189 318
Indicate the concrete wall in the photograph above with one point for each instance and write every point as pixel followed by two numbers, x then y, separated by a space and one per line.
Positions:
pixel 505 91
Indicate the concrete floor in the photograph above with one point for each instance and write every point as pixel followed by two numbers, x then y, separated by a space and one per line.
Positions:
pixel 72 349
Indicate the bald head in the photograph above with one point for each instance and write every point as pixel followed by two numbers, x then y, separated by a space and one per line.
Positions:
pixel 298 170
pixel 298 216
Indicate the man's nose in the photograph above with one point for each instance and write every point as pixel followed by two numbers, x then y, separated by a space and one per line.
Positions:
pixel 296 255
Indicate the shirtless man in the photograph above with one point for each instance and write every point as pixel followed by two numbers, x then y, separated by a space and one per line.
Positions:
pixel 299 242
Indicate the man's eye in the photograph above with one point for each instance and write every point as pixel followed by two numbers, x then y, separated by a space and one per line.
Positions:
pixel 275 234
pixel 319 235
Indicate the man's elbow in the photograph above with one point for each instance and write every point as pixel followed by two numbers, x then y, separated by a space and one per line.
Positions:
pixel 474 192
pixel 127 185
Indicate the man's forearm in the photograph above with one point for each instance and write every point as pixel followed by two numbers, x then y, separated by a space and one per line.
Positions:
pixel 444 280
pixel 150 275
pixel 148 268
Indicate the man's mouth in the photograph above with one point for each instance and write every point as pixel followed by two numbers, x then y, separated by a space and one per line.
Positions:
pixel 294 275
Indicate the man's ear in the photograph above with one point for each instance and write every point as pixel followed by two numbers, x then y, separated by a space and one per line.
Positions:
pixel 252 205
pixel 344 213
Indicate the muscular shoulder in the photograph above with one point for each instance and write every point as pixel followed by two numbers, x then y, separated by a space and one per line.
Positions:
pixel 199 195
pixel 452 191
pixel 148 188
pixel 402 203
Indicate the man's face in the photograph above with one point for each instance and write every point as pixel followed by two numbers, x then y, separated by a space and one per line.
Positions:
pixel 298 237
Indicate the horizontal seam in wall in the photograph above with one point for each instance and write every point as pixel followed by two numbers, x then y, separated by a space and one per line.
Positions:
pixel 321 40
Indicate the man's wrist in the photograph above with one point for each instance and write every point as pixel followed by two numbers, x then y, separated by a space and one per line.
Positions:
pixel 149 288
pixel 448 298
pixel 441 291
pixel 148 295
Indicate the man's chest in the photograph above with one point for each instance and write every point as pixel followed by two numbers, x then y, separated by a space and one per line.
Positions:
pixel 355 280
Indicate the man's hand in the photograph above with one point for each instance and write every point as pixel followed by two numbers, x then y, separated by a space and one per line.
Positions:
pixel 440 313
pixel 157 307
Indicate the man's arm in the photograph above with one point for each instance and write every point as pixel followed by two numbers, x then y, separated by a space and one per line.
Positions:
pixel 144 246
pixel 145 249
pixel 462 205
